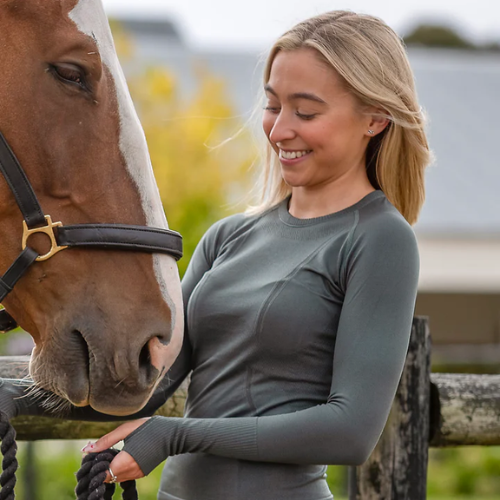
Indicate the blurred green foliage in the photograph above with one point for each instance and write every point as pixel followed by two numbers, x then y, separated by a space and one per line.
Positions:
pixel 434 35
pixel 437 35
pixel 198 178
pixel 471 472
pixel 336 477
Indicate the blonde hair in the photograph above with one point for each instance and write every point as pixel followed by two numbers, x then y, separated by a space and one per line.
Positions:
pixel 372 60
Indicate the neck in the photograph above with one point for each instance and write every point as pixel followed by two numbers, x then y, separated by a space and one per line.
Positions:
pixel 317 201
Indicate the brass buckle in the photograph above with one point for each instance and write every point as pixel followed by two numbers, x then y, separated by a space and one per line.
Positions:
pixel 49 231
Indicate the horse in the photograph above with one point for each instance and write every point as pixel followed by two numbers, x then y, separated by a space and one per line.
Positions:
pixel 107 325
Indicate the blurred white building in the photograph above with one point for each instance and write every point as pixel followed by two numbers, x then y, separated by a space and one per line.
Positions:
pixel 459 229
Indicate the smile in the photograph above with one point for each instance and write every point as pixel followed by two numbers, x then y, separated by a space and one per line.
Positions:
pixel 292 155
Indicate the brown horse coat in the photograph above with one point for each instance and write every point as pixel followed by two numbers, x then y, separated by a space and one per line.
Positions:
pixel 107 325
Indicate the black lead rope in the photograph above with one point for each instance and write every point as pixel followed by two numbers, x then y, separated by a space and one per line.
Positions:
pixel 90 477
pixel 9 462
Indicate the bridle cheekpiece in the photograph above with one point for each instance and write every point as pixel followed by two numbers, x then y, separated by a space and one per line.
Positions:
pixel 103 236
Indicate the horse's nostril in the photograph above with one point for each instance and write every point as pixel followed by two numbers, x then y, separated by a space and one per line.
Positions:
pixel 164 340
pixel 145 365
pixel 82 346
pixel 145 356
pixel 151 357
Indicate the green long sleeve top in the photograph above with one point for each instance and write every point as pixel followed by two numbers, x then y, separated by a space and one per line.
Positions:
pixel 296 337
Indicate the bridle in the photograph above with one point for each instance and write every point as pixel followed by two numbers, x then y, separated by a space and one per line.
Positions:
pixel 102 236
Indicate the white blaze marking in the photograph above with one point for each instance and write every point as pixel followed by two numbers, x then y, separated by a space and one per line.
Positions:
pixel 90 18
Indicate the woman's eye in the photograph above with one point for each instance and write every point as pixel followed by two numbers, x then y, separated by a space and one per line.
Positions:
pixel 70 73
pixel 272 109
pixel 305 116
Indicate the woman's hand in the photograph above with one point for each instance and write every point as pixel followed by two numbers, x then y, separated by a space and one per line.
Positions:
pixel 124 467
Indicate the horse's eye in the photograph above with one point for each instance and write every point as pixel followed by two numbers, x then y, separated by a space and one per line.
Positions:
pixel 70 73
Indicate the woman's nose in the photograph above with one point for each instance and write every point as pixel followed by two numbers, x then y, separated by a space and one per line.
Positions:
pixel 282 130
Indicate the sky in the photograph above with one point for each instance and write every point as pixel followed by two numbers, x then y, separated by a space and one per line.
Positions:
pixel 254 24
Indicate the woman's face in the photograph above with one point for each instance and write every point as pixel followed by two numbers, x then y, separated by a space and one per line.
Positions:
pixel 313 123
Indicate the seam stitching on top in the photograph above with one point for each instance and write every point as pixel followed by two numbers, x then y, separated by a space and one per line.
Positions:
pixel 349 242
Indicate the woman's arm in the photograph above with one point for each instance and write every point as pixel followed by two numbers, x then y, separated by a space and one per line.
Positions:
pixel 370 350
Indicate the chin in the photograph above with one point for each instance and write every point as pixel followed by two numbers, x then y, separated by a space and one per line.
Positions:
pixel 294 182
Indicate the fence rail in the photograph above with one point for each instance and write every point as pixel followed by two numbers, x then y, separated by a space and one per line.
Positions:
pixel 36 428
pixel 466 410
pixel 428 410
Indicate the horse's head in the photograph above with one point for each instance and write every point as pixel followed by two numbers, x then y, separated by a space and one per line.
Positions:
pixel 107 325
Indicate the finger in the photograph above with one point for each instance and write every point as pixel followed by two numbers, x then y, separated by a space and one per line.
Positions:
pixel 108 477
pixel 105 442
pixel 111 475
pixel 124 467
pixel 113 437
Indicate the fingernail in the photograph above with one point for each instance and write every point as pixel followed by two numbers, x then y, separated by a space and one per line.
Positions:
pixel 88 447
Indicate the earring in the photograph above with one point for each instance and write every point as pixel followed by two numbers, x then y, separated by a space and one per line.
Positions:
pixel 371 132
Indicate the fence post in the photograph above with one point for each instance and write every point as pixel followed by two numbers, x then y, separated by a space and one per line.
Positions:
pixel 397 468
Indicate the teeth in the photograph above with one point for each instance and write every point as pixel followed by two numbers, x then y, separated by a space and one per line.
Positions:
pixel 291 155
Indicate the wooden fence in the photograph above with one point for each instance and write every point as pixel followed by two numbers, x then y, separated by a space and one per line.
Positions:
pixel 429 409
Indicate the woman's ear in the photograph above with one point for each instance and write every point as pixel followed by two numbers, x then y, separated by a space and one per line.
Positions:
pixel 379 119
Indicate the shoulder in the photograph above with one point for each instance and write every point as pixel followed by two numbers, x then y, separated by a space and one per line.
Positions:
pixel 381 224
pixel 220 232
pixel 383 248
pixel 382 238
pixel 224 227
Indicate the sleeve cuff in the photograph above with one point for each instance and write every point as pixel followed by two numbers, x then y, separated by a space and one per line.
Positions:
pixel 162 437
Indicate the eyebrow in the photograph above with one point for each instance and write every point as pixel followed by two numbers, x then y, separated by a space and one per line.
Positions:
pixel 296 95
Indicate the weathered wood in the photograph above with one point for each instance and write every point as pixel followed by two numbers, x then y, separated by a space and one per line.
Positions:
pixel 397 468
pixel 465 410
pixel 35 428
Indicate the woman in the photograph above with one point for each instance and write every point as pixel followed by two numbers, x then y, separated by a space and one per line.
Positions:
pixel 299 312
